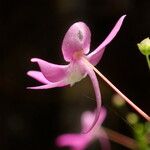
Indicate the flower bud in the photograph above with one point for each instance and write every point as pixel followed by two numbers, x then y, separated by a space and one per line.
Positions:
pixel 144 46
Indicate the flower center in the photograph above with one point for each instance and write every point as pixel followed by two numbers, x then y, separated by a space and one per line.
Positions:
pixel 77 55
pixel 75 74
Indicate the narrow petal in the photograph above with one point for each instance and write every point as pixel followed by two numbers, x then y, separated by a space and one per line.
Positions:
pixel 102 117
pixel 77 38
pixel 49 85
pixel 95 56
pixel 38 76
pixel 94 80
pixel 52 72
pixel 74 141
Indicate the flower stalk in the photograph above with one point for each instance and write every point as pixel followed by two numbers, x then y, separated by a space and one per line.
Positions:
pixel 140 111
pixel 148 61
pixel 121 139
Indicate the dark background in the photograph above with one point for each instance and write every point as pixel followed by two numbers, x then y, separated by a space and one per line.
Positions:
pixel 31 120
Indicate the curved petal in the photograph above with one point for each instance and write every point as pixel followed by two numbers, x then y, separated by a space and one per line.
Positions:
pixel 94 80
pixel 50 85
pixel 94 58
pixel 38 76
pixel 52 72
pixel 77 38
pixel 102 117
pixel 74 141
pixel 88 117
pixel 100 49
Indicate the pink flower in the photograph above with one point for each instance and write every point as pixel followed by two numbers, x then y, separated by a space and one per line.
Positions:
pixel 82 141
pixel 75 49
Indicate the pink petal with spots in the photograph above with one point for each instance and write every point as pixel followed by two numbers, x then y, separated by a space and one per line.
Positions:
pixel 95 56
pixel 52 72
pixel 77 38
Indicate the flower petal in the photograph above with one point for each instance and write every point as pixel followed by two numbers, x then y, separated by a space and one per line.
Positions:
pixel 38 76
pixel 94 80
pixel 102 117
pixel 50 85
pixel 88 117
pixel 52 72
pixel 95 56
pixel 77 38
pixel 74 141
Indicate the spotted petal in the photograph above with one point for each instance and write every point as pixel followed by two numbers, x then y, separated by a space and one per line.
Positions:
pixel 77 38
pixel 95 56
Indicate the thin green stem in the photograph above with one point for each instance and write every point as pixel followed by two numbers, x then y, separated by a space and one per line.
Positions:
pixel 148 61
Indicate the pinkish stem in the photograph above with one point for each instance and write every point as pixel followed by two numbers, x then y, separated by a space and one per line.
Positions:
pixel 121 139
pixel 141 112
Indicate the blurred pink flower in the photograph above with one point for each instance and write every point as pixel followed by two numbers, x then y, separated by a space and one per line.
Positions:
pixel 82 141
pixel 75 49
